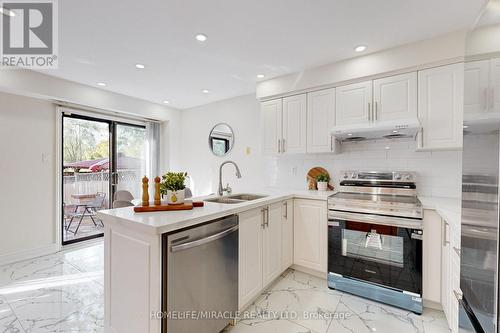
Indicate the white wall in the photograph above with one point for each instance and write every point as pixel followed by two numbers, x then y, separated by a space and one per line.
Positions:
pixel 242 114
pixel 438 172
pixel 27 176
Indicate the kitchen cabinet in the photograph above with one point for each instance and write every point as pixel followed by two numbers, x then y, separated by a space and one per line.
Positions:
pixel 250 255
pixel 272 242
pixel 476 82
pixel 287 234
pixel 482 86
pixel 431 270
pixel 294 124
pixel 271 115
pixel 440 107
pixel 310 234
pixel 395 97
pixel 353 103
pixel 320 120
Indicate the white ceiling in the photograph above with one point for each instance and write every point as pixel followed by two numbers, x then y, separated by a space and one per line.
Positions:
pixel 101 41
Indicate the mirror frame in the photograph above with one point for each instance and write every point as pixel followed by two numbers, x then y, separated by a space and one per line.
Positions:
pixel 210 142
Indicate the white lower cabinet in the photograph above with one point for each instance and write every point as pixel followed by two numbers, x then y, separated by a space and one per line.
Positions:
pixel 287 234
pixel 272 242
pixel 431 270
pixel 310 234
pixel 250 255
pixel 264 242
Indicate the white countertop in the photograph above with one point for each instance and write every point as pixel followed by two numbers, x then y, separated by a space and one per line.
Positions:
pixel 450 209
pixel 164 222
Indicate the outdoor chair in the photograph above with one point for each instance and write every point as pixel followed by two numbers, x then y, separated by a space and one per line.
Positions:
pixel 88 210
pixel 122 203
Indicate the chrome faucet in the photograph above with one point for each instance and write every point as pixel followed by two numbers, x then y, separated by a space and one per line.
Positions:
pixel 238 174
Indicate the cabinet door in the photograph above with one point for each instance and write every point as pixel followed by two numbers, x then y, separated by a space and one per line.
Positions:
pixel 440 105
pixel 395 97
pixel 250 255
pixel 455 241
pixel 294 124
pixel 272 243
pixel 320 120
pixel 287 234
pixel 353 103
pixel 445 272
pixel 476 83
pixel 271 113
pixel 432 245
pixel 495 86
pixel 310 234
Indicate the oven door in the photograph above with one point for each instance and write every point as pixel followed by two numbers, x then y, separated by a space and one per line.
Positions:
pixel 387 255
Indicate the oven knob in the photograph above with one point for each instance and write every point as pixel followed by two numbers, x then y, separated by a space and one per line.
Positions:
pixel 353 175
pixel 345 175
pixel 397 176
pixel 408 177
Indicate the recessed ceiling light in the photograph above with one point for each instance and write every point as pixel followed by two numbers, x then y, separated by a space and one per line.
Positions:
pixel 166 102
pixel 394 131
pixel 260 76
pixel 360 48
pixel 349 134
pixel 7 12
pixel 387 147
pixel 205 91
pixel 465 126
pixel 101 84
pixel 139 66
pixel 201 37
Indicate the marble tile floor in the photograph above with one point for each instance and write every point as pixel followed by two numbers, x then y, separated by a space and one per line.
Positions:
pixel 87 228
pixel 63 292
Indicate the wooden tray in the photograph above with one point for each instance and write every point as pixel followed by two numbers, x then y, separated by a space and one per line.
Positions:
pixel 164 207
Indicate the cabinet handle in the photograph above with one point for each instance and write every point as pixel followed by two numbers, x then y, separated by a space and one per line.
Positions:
pixel 485 99
pixel 376 111
pixel 283 145
pixel 331 142
pixel 286 209
pixel 457 251
pixel 267 217
pixel 422 137
pixel 263 223
pixel 369 111
pixel 458 295
pixel 279 145
pixel 445 234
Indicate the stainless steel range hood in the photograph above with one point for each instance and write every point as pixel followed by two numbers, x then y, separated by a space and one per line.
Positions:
pixel 390 129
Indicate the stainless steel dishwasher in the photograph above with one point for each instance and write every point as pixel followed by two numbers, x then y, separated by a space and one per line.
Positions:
pixel 200 285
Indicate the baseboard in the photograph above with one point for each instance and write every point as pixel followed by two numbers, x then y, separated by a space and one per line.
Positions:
pixel 433 305
pixel 310 271
pixel 28 254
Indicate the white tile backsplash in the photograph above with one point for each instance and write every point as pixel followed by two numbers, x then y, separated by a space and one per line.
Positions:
pixel 439 173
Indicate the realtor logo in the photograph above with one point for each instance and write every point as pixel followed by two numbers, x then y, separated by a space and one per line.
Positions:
pixel 29 34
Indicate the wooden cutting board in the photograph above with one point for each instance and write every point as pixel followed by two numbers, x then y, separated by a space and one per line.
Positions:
pixel 311 178
pixel 164 207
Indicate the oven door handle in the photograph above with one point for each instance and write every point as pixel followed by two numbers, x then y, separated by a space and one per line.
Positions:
pixel 375 219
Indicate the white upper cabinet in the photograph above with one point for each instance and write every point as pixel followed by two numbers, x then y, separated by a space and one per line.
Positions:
pixel 320 120
pixel 476 81
pixel 294 124
pixel 271 113
pixel 440 107
pixel 353 103
pixel 395 97
pixel 495 85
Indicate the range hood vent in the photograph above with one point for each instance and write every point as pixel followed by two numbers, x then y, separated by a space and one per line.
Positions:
pixel 390 129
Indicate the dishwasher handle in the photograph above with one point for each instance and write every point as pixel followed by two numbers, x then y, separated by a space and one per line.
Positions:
pixel 205 240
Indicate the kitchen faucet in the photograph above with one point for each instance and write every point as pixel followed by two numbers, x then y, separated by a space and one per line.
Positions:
pixel 238 174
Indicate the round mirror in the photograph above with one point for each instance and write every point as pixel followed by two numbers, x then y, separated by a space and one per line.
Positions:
pixel 221 139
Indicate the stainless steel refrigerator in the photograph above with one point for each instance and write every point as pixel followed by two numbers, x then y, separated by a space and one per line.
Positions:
pixel 479 262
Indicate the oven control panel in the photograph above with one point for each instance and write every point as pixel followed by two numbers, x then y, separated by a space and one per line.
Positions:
pixel 392 176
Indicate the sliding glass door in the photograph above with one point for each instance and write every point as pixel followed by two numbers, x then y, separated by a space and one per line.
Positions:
pixel 103 161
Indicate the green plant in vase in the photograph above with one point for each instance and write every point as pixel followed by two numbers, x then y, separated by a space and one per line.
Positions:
pixel 322 181
pixel 173 186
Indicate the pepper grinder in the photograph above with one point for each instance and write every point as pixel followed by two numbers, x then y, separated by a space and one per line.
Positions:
pixel 145 191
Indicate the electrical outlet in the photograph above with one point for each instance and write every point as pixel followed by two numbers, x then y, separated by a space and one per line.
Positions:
pixel 294 171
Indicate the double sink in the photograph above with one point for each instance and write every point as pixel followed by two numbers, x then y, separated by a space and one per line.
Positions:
pixel 236 198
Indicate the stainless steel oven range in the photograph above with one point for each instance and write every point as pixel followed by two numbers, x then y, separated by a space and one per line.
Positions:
pixel 375 233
